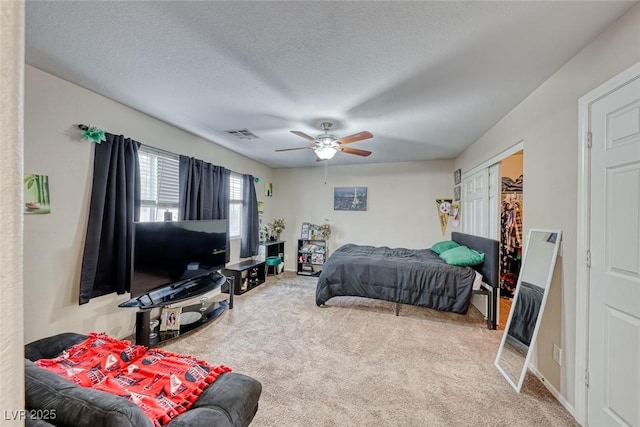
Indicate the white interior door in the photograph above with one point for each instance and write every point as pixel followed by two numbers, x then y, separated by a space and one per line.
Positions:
pixel 475 203
pixel 614 296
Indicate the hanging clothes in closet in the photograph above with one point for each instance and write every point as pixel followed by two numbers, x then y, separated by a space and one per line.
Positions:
pixel 511 243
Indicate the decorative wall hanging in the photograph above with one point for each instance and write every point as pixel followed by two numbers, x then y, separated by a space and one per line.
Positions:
pixel 443 206
pixel 456 194
pixel 36 194
pixel 93 134
pixel 268 189
pixel 457 177
pixel 350 198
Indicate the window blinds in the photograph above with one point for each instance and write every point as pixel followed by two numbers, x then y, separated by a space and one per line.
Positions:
pixel 159 178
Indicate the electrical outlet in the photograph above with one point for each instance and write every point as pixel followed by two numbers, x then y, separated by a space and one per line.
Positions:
pixel 557 354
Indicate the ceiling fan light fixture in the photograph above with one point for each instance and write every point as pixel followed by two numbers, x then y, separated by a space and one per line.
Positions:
pixel 325 139
pixel 326 145
pixel 325 153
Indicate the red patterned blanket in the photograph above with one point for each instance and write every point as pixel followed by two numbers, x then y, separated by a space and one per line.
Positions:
pixel 161 383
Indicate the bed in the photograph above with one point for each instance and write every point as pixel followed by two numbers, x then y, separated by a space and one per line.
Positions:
pixel 411 276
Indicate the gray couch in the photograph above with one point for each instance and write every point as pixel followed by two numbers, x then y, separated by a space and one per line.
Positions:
pixel 231 401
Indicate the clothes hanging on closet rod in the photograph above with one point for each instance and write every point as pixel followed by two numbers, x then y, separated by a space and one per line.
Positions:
pixel 511 195
pixel 511 242
pixel 512 223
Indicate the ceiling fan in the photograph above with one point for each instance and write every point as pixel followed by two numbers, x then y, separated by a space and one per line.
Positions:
pixel 327 145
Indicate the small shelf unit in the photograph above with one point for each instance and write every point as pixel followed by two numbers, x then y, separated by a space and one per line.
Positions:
pixel 312 253
pixel 246 275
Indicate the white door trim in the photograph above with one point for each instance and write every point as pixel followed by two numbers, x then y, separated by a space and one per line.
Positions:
pixel 583 227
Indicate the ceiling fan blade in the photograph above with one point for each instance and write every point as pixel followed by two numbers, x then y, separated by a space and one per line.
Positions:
pixel 355 137
pixel 303 135
pixel 356 151
pixel 297 148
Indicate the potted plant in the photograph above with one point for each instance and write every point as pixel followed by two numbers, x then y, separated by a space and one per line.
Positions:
pixel 276 227
pixel 325 231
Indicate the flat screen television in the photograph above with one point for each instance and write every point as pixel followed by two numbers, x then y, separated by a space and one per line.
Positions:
pixel 176 252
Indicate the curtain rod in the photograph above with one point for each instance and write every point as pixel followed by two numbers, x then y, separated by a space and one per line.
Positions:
pixel 159 150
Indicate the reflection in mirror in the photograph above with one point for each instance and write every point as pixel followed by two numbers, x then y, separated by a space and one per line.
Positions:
pixel 528 304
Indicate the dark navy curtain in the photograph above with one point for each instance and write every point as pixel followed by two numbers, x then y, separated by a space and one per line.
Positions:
pixel 115 205
pixel 250 227
pixel 204 192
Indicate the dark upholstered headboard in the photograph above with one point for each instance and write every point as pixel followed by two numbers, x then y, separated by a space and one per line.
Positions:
pixel 490 268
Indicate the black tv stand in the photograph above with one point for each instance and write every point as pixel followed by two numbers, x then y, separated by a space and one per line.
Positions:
pixel 178 291
pixel 175 293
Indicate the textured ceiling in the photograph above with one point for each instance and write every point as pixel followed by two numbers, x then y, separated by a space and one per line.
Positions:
pixel 426 78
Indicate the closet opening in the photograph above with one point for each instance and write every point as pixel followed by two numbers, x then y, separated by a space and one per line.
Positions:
pixel 511 217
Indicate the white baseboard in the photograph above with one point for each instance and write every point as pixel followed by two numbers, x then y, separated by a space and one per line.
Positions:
pixel 560 398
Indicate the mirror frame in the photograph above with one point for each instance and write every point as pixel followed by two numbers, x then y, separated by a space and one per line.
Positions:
pixel 518 386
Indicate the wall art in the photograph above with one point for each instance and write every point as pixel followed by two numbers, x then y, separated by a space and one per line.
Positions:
pixel 36 194
pixel 350 198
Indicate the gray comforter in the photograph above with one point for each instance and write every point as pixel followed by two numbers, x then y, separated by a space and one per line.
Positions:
pixel 408 276
pixel 525 312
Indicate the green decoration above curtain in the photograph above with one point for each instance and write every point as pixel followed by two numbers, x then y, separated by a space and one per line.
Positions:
pixel 93 134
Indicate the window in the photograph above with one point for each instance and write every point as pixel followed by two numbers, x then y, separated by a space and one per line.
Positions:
pixel 159 189
pixel 235 205
pixel 159 185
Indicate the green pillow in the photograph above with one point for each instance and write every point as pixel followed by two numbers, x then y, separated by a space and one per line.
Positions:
pixel 462 256
pixel 445 245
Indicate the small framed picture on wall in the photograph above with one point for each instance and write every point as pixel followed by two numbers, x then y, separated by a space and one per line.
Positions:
pixel 456 193
pixel 457 176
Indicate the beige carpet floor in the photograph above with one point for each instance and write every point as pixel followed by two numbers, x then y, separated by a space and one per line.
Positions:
pixel 354 363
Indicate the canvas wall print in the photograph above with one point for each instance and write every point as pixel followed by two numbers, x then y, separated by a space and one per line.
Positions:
pixel 36 194
pixel 350 198
pixel 268 189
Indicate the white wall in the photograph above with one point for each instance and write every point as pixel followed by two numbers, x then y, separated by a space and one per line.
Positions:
pixel 547 121
pixel 53 243
pixel 11 143
pixel 401 203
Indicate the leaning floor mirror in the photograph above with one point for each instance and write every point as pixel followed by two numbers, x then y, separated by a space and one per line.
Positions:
pixel 532 289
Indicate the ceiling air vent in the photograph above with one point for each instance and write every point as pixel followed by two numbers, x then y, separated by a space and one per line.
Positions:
pixel 242 134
